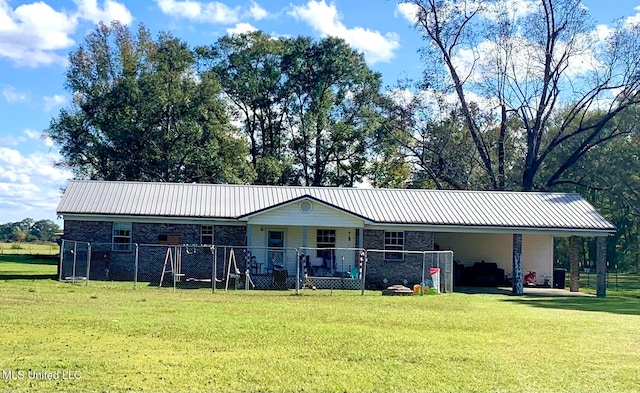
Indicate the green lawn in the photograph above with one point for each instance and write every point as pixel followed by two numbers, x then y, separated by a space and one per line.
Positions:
pixel 617 284
pixel 29 248
pixel 151 339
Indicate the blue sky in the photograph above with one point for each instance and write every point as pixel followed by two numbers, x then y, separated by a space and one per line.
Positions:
pixel 37 36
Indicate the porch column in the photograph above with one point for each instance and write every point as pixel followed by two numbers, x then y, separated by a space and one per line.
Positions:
pixel 518 277
pixel 249 243
pixel 360 237
pixel 601 266
pixel 304 236
pixel 574 264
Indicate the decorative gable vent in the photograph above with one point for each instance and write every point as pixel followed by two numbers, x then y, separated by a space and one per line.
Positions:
pixel 305 207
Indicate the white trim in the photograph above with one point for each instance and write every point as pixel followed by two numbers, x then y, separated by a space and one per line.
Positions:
pixel 299 200
pixel 153 219
pixel 558 232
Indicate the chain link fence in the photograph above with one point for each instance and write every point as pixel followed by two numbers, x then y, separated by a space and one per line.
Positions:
pixel 75 262
pixel 433 269
pixel 239 267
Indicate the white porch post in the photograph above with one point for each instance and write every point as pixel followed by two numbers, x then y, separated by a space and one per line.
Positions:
pixel 361 237
pixel 249 242
pixel 304 236
pixel 518 276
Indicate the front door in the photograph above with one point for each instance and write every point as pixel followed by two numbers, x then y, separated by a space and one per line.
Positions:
pixel 275 250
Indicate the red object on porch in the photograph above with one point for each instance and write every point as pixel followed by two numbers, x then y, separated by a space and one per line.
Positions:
pixel 434 270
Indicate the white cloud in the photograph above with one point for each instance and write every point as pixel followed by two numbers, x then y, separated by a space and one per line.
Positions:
pixel 11 140
pixel 324 18
pixel 32 134
pixel 13 96
pixel 29 185
pixel 208 12
pixel 112 10
pixel 32 34
pixel 54 101
pixel 408 10
pixel 241 28
pixel 256 12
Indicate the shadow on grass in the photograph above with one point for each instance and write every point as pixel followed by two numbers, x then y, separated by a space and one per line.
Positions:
pixel 30 259
pixel 613 305
pixel 9 277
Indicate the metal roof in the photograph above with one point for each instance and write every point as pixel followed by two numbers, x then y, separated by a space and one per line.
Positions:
pixel 391 206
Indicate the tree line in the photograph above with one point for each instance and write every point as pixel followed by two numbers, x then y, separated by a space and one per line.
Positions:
pixel 536 105
pixel 29 230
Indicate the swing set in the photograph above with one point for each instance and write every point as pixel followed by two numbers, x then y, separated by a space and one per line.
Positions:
pixel 173 265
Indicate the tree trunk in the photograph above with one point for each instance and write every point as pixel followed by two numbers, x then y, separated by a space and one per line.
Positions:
pixel 574 264
pixel 601 266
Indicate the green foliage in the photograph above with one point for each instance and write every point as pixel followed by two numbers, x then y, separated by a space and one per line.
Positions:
pixel 308 108
pixel 29 230
pixel 141 111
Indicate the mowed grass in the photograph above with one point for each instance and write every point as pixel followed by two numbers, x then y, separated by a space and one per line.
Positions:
pixel 29 248
pixel 152 339
pixel 617 284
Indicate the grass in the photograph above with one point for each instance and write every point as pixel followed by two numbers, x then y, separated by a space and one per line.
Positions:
pixel 29 249
pixel 617 284
pixel 152 339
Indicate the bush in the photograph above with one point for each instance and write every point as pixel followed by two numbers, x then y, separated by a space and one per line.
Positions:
pixel 16 246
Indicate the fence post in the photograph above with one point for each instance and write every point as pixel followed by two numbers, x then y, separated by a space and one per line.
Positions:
pixel 214 251
pixel 424 261
pixel 297 271
pixel 135 267
pixel 75 258
pixel 60 266
pixel 88 263
pixel 364 271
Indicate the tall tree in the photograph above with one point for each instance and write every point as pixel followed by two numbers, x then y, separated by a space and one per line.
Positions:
pixel 534 73
pixel 307 107
pixel 249 67
pixel 142 112
pixel 334 110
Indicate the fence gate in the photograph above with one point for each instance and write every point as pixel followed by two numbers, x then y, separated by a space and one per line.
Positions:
pixel 75 261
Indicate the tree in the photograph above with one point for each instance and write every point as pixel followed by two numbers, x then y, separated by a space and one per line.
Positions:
pixel 527 80
pixel 249 67
pixel 608 178
pixel 19 235
pixel 142 112
pixel 44 230
pixel 308 108
pixel 333 113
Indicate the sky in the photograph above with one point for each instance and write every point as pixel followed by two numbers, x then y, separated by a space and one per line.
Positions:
pixel 36 38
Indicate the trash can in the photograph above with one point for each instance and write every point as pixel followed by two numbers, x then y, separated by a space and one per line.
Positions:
pixel 559 275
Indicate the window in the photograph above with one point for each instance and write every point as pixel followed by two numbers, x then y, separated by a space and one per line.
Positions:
pixel 121 236
pixel 394 241
pixel 206 234
pixel 325 238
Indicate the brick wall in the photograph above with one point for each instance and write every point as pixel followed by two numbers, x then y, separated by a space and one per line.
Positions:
pixel 88 231
pixel 395 272
pixel 151 255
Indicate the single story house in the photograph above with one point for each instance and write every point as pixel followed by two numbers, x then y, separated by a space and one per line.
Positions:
pixel 492 226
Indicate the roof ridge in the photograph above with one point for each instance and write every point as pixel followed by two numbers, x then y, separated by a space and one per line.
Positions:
pixel 373 189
